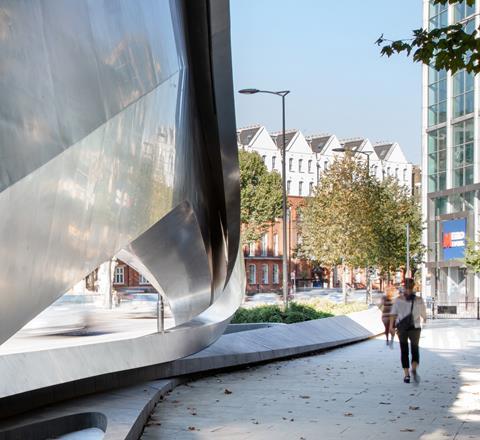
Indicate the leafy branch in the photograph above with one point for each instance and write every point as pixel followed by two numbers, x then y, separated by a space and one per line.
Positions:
pixel 450 47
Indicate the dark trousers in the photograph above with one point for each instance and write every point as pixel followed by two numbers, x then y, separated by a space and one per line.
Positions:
pixel 414 337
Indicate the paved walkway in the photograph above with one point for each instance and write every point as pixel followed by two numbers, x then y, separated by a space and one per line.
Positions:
pixel 355 392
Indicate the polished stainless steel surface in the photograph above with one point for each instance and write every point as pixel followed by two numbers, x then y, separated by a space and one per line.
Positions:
pixel 117 136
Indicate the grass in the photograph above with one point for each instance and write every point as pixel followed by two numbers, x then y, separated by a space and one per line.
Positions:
pixel 300 311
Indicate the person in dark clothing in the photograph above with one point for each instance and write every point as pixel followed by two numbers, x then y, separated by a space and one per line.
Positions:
pixel 403 306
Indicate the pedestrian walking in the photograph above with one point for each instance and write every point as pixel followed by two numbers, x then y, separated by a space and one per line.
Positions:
pixel 408 312
pixel 386 308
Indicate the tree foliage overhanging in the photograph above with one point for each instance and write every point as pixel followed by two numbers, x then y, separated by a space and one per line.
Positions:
pixel 472 256
pixel 452 47
pixel 261 196
pixel 356 219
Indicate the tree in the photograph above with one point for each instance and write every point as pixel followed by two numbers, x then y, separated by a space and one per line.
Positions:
pixel 359 221
pixel 261 196
pixel 397 208
pixel 337 224
pixel 452 47
pixel 472 256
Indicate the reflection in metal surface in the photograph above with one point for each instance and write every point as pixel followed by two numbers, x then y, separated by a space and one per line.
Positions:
pixel 117 136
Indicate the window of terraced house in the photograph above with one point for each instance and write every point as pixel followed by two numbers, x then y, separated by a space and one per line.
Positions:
pixel 275 245
pixel 119 276
pixel 264 244
pixel 264 273
pixel 142 280
pixel 309 166
pixel 290 164
pixel 274 159
pixel 300 162
pixel 252 274
pixel 300 188
pixel 275 274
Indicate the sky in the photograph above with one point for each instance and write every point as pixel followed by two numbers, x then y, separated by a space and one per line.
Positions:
pixel 324 53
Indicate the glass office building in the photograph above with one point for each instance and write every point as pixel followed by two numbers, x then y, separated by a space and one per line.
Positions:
pixel 450 166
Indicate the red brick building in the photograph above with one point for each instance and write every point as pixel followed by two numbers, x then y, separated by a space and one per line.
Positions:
pixel 127 279
pixel 263 259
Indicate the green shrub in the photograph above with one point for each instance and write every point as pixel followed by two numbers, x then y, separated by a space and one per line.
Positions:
pixel 273 313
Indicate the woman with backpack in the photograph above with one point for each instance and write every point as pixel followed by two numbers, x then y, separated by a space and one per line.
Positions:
pixel 408 312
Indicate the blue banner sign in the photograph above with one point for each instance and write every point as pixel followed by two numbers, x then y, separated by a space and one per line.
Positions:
pixel 454 236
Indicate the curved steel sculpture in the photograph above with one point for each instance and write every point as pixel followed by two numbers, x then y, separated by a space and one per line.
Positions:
pixel 117 136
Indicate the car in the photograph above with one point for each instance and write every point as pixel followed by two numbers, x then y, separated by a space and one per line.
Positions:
pixel 69 313
pixel 141 305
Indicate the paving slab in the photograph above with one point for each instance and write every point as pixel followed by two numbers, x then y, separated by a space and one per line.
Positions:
pixel 355 392
pixel 126 409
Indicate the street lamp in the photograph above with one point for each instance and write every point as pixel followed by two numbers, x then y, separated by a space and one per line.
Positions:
pixel 282 94
pixel 366 153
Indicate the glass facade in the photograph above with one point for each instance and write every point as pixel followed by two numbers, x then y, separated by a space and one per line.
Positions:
pixel 462 84
pixel 437 96
pixel 437 160
pixel 461 202
pixel 438 15
pixel 462 158
pixel 461 11
pixel 450 158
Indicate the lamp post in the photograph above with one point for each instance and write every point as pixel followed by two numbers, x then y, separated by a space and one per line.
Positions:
pixel 282 94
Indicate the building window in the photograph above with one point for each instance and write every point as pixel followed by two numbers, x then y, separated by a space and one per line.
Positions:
pixel 325 165
pixel 264 273
pixel 288 186
pixel 300 188
pixel 463 153
pixel 396 173
pixel 462 93
pixel 252 274
pixel 438 15
pixel 462 10
pixel 437 160
pixel 404 174
pixel 275 274
pixel 461 202
pixel 437 96
pixel 142 280
pixel 264 158
pixel 310 166
pixel 388 171
pixel 251 249
pixel 264 244
pixel 290 164
pixel 310 188
pixel 300 161
pixel 119 276
pixel 275 245
pixel 273 162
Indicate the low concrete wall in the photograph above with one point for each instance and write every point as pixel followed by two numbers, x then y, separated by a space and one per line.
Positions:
pixel 127 409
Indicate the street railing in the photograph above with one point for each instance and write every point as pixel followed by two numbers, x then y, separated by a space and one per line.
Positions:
pixel 453 309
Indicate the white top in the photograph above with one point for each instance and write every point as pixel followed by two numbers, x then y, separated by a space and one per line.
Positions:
pixel 401 308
